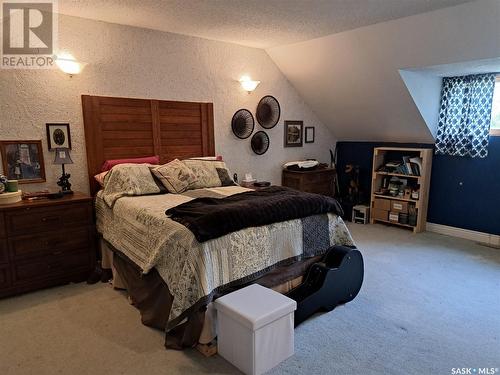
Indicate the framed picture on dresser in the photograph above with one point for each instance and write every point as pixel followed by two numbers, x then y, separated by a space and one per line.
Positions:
pixel 294 133
pixel 23 161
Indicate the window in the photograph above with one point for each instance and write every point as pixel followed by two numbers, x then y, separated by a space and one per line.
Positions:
pixel 495 110
pixel 465 115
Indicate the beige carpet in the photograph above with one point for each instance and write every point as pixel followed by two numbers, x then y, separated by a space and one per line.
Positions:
pixel 81 329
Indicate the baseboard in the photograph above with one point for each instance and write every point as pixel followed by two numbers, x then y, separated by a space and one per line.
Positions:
pixel 485 238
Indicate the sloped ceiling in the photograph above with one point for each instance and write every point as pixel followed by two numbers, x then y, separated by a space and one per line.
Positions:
pixel 425 90
pixel 352 79
pixel 253 23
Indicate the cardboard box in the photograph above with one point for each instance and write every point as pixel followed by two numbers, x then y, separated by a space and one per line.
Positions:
pixel 394 217
pixel 399 206
pixel 378 214
pixel 382 204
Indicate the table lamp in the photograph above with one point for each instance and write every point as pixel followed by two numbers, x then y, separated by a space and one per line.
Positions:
pixel 63 157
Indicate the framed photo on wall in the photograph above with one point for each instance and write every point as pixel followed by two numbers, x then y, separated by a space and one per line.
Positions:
pixel 293 133
pixel 309 134
pixel 23 161
pixel 58 135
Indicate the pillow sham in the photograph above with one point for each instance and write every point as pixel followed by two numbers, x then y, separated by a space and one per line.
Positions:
pixel 176 176
pixel 205 172
pixel 128 180
pixel 100 178
pixel 108 164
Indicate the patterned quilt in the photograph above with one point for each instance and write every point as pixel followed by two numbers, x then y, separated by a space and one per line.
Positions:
pixel 138 227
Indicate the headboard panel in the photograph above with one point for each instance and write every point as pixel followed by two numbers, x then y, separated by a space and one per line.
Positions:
pixel 118 128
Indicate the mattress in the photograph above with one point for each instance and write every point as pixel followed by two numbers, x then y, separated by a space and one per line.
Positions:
pixel 138 228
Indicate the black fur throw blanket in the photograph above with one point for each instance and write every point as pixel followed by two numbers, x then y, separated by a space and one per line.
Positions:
pixel 210 218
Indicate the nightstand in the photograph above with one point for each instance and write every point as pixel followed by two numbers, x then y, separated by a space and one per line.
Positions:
pixel 319 181
pixel 45 243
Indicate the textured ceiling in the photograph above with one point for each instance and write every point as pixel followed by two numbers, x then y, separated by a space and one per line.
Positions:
pixel 254 23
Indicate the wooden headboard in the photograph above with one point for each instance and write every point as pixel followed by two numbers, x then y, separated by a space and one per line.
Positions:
pixel 117 128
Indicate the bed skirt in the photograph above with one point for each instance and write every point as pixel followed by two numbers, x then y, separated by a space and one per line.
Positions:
pixel 150 295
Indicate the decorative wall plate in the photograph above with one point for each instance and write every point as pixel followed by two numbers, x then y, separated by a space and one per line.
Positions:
pixel 268 112
pixel 260 142
pixel 242 123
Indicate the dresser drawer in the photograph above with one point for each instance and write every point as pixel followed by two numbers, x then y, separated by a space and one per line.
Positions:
pixel 49 243
pixel 31 219
pixel 4 277
pixel 51 266
pixel 3 252
pixel 317 177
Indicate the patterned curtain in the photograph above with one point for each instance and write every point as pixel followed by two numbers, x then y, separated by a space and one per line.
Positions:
pixel 465 115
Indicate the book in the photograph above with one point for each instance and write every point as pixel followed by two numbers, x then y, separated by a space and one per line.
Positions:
pixel 418 162
pixel 406 162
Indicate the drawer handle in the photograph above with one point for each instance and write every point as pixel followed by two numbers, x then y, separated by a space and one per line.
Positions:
pixel 53 266
pixel 50 219
pixel 57 253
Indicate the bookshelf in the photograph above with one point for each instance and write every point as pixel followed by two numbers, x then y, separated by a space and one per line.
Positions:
pixel 400 191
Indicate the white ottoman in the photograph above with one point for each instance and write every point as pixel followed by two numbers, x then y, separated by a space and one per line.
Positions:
pixel 255 328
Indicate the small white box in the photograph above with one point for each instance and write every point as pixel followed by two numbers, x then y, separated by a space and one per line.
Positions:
pixel 255 328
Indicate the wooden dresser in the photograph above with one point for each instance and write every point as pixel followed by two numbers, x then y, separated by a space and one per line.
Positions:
pixel 319 181
pixel 45 243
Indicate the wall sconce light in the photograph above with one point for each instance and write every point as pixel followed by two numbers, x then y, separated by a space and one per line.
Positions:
pixel 68 64
pixel 247 84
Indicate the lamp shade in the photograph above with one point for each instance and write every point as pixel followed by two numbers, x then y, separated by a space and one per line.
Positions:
pixel 63 156
pixel 248 84
pixel 68 64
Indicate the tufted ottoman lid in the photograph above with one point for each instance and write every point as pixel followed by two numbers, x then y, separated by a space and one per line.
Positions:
pixel 255 306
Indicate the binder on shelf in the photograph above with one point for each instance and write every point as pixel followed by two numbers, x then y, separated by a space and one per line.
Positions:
pixel 407 164
pixel 418 163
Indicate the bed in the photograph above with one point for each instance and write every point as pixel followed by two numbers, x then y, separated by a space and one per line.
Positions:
pixel 171 277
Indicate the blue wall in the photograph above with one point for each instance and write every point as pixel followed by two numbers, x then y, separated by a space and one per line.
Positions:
pixel 465 192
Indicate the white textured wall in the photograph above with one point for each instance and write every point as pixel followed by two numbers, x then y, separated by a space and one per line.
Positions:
pixel 133 62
